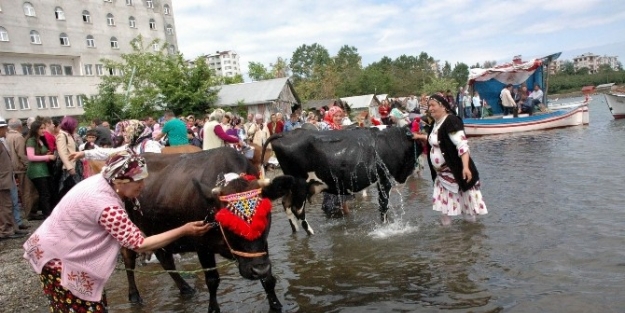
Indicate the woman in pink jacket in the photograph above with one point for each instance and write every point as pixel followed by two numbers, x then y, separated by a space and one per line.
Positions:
pixel 75 249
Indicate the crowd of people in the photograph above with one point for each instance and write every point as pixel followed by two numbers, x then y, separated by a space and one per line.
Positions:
pixel 40 170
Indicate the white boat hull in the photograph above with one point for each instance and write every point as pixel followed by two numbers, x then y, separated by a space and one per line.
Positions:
pixel 560 118
pixel 616 103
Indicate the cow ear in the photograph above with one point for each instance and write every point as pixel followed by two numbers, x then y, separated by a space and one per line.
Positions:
pixel 203 191
pixel 279 187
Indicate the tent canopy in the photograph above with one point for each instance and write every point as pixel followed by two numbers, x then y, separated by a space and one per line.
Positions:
pixel 489 82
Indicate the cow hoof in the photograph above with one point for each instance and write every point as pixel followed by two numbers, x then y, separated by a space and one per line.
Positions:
pixel 187 291
pixel 135 298
pixel 307 228
pixel 214 310
pixel 275 306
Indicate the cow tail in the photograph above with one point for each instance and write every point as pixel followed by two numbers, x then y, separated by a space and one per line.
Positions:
pixel 262 156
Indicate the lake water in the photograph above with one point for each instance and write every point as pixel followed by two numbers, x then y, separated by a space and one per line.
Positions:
pixel 552 241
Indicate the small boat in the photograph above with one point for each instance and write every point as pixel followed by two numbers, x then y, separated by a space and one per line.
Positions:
pixel 616 103
pixel 489 83
pixel 507 124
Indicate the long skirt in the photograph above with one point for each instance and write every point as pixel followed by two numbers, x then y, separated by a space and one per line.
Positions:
pixel 62 300
pixel 451 203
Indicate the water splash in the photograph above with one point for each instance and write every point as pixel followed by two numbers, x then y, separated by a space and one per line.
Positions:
pixel 397 228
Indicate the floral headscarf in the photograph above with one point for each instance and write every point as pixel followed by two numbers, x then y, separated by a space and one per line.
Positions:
pixel 329 118
pixel 133 131
pixel 125 166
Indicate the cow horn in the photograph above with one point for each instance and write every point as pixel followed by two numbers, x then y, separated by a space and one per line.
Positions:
pixel 216 191
pixel 264 182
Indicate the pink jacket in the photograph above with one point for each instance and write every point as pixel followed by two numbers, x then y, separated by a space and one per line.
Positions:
pixel 72 234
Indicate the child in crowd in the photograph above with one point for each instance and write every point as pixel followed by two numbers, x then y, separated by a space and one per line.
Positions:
pixel 90 137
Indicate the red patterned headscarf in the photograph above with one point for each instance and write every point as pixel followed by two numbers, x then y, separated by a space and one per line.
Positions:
pixel 329 118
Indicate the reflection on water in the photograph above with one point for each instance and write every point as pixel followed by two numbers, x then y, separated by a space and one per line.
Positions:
pixel 552 241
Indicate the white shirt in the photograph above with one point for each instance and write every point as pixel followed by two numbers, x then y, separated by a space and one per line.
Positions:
pixel 536 94
pixel 477 102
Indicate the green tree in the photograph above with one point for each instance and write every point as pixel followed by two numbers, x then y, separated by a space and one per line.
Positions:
pixel 107 105
pixel 280 68
pixel 257 71
pixel 438 84
pixel 605 68
pixel 567 67
pixel 236 79
pixel 582 71
pixel 148 81
pixel 306 58
pixel 446 70
pixel 460 74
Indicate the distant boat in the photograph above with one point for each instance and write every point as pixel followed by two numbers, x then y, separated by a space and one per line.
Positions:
pixel 575 116
pixel 616 103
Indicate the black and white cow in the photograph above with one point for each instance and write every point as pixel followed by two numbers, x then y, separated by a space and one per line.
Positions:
pixel 342 162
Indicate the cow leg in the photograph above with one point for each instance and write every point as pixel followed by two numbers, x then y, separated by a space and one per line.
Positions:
pixel 130 262
pixel 384 189
pixel 207 259
pixel 167 262
pixel 269 284
pixel 286 203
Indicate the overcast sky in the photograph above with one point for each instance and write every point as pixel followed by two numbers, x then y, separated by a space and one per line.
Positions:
pixel 449 30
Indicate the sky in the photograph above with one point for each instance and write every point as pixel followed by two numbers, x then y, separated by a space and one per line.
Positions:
pixel 468 31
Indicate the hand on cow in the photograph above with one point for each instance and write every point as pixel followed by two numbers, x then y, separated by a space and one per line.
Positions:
pixel 197 228
pixel 76 155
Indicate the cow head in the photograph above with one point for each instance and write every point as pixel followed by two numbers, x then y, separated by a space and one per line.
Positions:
pixel 244 215
pixel 294 202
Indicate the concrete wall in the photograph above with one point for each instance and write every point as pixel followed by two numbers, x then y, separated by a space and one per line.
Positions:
pixel 19 50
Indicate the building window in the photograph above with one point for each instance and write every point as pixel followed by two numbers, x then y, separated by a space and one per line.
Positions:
pixel 29 9
pixel 110 1
pixel 59 14
pixel 9 69
pixel 90 41
pixel 172 49
pixel 166 9
pixel 89 69
pixel 56 70
pixel 150 4
pixel 64 39
pixel 41 102
pixel 24 105
pixel 34 37
pixel 68 70
pixel 114 44
pixel 69 101
pixel 4 34
pixel 110 20
pixel 27 69
pixel 132 22
pixel 80 101
pixel 86 17
pixel 54 102
pixel 170 29
pixel 111 71
pixel 152 24
pixel 98 70
pixel 9 103
pixel 128 2
pixel 40 69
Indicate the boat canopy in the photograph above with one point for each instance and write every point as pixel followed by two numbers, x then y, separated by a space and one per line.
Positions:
pixel 507 73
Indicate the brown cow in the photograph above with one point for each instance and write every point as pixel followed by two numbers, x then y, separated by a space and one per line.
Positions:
pixel 177 190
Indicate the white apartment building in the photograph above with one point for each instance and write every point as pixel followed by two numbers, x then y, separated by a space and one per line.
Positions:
pixel 224 63
pixel 51 51
pixel 593 61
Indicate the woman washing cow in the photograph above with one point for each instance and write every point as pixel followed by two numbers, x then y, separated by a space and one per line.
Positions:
pixel 93 223
pixel 334 204
pixel 137 137
pixel 456 179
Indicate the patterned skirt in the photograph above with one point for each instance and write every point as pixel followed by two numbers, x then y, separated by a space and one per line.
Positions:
pixel 451 203
pixel 62 300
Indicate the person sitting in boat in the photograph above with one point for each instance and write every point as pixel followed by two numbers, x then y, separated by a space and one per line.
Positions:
pixel 535 98
pixel 507 102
